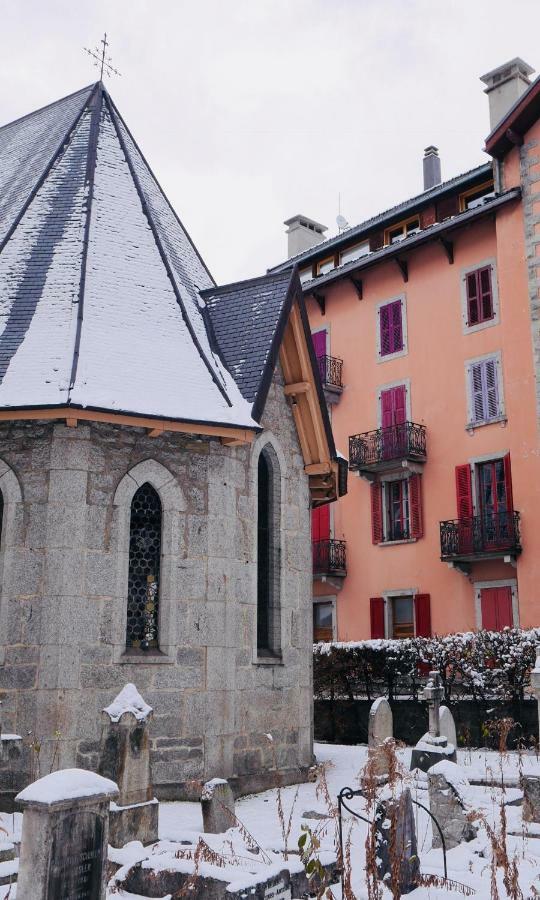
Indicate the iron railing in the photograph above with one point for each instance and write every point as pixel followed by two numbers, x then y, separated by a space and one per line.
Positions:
pixel 490 533
pixel 372 448
pixel 330 369
pixel 329 557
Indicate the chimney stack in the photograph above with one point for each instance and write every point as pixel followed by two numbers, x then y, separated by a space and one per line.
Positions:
pixel 303 233
pixel 505 85
pixel 432 167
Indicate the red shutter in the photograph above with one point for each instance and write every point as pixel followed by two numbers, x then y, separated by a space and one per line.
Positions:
pixel 422 615
pixel 376 513
pixel 486 293
pixel 446 207
pixel 415 504
pixel 508 483
pixel 473 309
pixel 376 612
pixel 385 330
pixel 320 523
pixel 464 492
pixel 496 606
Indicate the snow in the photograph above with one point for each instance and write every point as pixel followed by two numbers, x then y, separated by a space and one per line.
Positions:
pixel 128 701
pixel 67 784
pixel 454 775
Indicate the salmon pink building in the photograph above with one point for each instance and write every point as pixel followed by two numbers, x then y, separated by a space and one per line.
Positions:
pixel 426 323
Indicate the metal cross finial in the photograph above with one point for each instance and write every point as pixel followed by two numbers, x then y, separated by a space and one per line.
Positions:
pixel 102 60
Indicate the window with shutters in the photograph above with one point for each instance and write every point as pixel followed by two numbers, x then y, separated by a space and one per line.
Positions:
pixel 400 614
pixel 484 390
pixel 391 329
pixel 396 510
pixel 479 296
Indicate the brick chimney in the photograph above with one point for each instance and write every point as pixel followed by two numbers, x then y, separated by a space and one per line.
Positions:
pixel 303 233
pixel 432 167
pixel 505 85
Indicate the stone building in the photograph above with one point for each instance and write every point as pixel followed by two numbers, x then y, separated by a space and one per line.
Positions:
pixel 162 441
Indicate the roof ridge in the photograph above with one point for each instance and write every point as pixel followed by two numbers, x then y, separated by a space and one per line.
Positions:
pixel 42 178
pixel 146 211
pixel 96 99
pixel 48 106
pixel 230 286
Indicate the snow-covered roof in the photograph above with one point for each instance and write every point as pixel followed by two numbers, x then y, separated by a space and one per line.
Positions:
pixel 99 281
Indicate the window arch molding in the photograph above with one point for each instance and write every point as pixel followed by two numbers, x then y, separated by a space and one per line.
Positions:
pixel 173 504
pixel 11 499
pixel 267 442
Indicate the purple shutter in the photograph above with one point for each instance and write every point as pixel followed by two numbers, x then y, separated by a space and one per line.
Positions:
pixel 386 339
pixel 472 299
pixel 397 326
pixel 486 293
pixel 391 328
pixel 491 389
pixel 477 393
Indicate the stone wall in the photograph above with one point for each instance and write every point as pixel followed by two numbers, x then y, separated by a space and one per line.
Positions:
pixel 64 584
pixel 529 156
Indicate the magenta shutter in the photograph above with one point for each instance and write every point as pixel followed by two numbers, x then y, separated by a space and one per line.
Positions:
pixel 393 406
pixel 400 413
pixel 391 328
pixel 319 343
pixel 387 408
pixel 472 298
pixel 397 326
pixel 386 344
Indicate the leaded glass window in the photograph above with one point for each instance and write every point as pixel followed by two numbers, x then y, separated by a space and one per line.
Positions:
pixel 268 554
pixel 144 569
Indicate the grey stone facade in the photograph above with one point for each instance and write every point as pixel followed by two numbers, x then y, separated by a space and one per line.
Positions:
pixel 529 157
pixel 65 538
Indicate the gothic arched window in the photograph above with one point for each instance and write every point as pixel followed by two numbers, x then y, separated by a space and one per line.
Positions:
pixel 144 566
pixel 268 553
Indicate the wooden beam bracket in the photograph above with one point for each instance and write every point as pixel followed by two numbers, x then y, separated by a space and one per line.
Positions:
pixel 320 299
pixel 403 267
pixel 71 421
pixel 357 282
pixel 448 249
pixel 298 387
pixel 514 137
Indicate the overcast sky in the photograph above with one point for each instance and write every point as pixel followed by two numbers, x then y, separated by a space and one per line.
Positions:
pixel 250 111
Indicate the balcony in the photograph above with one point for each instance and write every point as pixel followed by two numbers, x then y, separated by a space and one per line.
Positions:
pixel 380 450
pixel 329 558
pixel 490 536
pixel 330 370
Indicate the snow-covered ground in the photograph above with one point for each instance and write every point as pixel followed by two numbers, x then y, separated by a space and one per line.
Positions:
pixel 468 864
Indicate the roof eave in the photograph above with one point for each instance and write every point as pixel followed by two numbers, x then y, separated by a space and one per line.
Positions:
pixel 517 121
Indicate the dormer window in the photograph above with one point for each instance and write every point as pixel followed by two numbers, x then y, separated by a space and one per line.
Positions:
pixel 306 275
pixel 402 230
pixel 476 196
pixel 354 252
pixel 325 265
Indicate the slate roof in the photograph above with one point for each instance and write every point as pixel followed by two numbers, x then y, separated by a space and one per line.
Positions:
pixel 100 284
pixel 479 173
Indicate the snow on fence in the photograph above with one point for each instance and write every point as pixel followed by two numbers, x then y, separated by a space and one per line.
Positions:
pixel 481 665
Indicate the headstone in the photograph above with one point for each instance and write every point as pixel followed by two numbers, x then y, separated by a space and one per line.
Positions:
pixel 447 785
pixel 64 836
pixel 535 682
pixel 12 777
pixel 217 802
pixel 125 758
pixel 531 798
pixel 396 848
pixel 447 726
pixel 380 728
pixel 432 747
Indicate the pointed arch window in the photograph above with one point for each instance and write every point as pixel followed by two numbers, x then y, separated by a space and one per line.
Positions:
pixel 268 554
pixel 144 570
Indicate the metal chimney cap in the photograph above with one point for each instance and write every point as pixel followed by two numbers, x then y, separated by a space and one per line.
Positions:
pixel 432 150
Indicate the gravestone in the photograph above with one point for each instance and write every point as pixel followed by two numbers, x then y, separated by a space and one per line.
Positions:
pixel 12 776
pixel 535 682
pixel 432 747
pixel 447 726
pixel 531 798
pixel 447 785
pixel 380 728
pixel 395 838
pixel 64 836
pixel 125 758
pixel 217 802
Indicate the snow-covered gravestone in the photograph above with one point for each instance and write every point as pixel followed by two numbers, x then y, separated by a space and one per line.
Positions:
pixel 432 747
pixel 380 729
pixel 535 682
pixel 217 803
pixel 64 836
pixel 125 758
pixel 448 786
pixel 447 726
pixel 11 776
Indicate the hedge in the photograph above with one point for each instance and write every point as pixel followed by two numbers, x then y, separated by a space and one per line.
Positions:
pixel 482 665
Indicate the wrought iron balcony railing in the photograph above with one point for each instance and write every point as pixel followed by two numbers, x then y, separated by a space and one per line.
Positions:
pixel 375 450
pixel 330 368
pixel 491 534
pixel 329 558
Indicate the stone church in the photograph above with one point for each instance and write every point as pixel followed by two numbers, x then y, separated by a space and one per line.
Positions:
pixel 162 441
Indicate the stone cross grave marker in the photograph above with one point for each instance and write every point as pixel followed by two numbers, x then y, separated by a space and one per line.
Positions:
pixel 217 802
pixel 447 725
pixel 434 693
pixel 64 836
pixel 125 758
pixel 380 729
pixel 432 747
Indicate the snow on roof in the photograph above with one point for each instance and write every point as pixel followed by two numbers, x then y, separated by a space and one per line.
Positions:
pixel 99 281
pixel 128 700
pixel 67 784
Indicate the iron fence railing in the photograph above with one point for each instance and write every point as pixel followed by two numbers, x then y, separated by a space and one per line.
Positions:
pixel 404 441
pixel 329 557
pixel 330 368
pixel 488 533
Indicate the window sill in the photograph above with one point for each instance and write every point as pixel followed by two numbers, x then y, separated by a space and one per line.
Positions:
pixel 480 326
pixel 389 356
pixel 472 426
pixel 267 660
pixel 402 541
pixel 145 658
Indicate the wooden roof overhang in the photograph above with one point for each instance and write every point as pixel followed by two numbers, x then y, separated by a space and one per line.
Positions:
pixel 511 130
pixel 441 232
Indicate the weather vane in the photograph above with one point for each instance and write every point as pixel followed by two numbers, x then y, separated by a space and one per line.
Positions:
pixel 102 60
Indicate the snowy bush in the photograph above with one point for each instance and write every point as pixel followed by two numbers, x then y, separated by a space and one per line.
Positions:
pixel 482 665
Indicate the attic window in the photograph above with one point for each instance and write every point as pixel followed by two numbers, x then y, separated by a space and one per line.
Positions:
pixel 325 265
pixel 354 252
pixel 306 275
pixel 476 196
pixel 402 230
